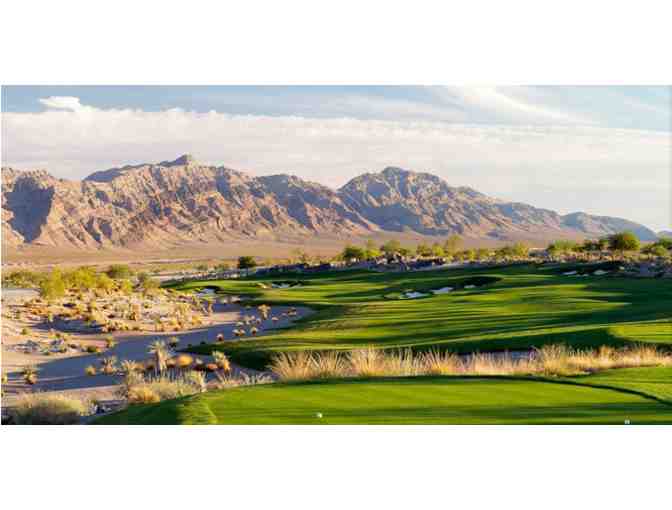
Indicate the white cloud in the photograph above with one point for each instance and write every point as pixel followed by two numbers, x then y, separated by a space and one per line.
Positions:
pixel 62 103
pixel 558 166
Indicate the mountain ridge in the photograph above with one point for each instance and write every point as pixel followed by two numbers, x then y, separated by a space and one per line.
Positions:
pixel 174 202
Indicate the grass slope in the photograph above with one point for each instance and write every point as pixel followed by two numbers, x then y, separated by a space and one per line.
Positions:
pixel 418 400
pixel 523 307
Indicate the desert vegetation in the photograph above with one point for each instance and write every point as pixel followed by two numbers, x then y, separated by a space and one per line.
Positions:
pixel 49 409
pixel 550 360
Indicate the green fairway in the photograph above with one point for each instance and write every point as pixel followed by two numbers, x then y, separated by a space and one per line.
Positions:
pixel 654 381
pixel 519 307
pixel 418 400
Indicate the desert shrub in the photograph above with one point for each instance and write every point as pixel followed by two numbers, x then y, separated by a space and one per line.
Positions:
pixel 221 361
pixel 119 271
pixel 53 286
pixel 142 395
pixel 49 409
pixel 29 373
pixel 138 389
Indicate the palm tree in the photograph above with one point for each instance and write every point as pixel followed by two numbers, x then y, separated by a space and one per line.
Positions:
pixel 161 354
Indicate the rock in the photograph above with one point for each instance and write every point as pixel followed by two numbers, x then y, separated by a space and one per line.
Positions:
pixel 158 205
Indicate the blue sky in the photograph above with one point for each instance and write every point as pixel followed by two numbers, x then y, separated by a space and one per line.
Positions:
pixel 645 107
pixel 600 149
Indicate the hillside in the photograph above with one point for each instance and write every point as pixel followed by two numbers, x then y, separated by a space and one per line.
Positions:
pixel 176 202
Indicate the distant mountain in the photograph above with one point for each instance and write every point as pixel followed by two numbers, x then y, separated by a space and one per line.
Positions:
pixel 173 202
pixel 399 200
pixel 665 233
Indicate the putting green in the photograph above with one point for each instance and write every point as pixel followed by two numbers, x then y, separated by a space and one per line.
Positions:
pixel 418 400
pixel 521 307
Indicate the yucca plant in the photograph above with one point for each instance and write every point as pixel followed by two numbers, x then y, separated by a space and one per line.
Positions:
pixel 161 354
pixel 110 341
pixel 108 365
pixel 128 366
pixel 29 373
pixel 221 361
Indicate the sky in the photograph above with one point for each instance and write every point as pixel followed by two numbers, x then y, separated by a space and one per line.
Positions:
pixel 604 150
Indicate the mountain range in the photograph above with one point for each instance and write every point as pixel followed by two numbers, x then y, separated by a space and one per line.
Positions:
pixel 173 202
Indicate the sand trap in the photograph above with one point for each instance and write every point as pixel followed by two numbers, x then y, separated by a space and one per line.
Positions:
pixel 442 290
pixel 470 286
pixel 414 295
pixel 570 273
pixel 600 272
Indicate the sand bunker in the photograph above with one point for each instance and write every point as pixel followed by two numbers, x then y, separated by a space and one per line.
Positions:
pixel 442 290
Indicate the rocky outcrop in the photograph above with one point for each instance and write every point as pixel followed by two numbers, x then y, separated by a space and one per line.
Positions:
pixel 173 202
pixel 399 200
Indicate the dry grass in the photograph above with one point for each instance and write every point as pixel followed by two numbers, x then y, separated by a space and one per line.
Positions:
pixel 142 395
pixel 49 409
pixel 440 363
pixel 140 389
pixel 297 366
pixel 553 360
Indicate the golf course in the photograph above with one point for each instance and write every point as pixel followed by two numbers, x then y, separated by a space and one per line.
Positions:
pixel 510 308
pixel 514 308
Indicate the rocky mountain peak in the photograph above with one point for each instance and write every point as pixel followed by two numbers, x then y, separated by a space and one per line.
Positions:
pixel 152 205
pixel 183 160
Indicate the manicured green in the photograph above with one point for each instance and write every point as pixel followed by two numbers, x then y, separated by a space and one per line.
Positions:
pixel 416 400
pixel 524 306
pixel 653 381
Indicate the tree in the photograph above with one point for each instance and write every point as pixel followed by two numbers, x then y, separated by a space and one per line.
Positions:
pixel 82 278
pixel 246 262
pixel 119 272
pixel 658 250
pixel 301 256
pixel 370 250
pixel 351 252
pixel 561 247
pixel 515 250
pixel 222 267
pixel 423 250
pixel 203 268
pixel 451 244
pixel 437 250
pixel 390 247
pixel 665 242
pixel 623 241
pixel 53 286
